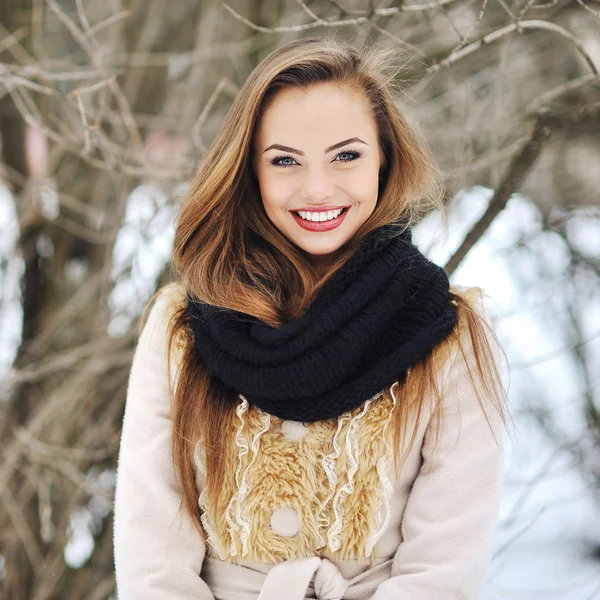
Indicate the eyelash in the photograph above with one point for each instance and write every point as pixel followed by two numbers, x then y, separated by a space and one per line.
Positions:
pixel 354 155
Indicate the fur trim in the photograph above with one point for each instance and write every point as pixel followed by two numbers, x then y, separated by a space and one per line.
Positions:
pixel 290 474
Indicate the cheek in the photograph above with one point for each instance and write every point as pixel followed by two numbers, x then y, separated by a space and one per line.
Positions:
pixel 363 184
pixel 275 191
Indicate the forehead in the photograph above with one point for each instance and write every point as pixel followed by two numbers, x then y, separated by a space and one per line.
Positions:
pixel 324 111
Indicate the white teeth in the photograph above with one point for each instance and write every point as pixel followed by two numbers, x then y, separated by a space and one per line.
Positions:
pixel 320 216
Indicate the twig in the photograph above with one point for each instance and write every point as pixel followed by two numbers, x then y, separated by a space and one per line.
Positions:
pixel 292 28
pixel 17 81
pixel 205 112
pixel 63 361
pixel 94 55
pixel 44 487
pixel 518 534
pixel 491 158
pixel 30 119
pixel 95 86
pixel 163 59
pixel 507 10
pixel 517 172
pixel 531 484
pixel 78 36
pixel 87 138
pixel 554 354
pixel 465 39
pixel 550 4
pixel 81 14
pixel 559 91
pixel 421 7
pixel 588 8
pixel 514 27
pixel 379 12
pixel 64 75
pixel 82 232
pixel 13 39
pixel 26 536
pixel 36 445
pixel 120 16
pixel 310 13
pixel 16 49
pixel 525 9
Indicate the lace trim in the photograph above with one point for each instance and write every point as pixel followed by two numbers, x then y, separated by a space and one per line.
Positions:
pixel 209 526
pixel 245 487
pixel 334 533
pixel 383 467
pixel 236 503
pixel 329 463
pixel 240 411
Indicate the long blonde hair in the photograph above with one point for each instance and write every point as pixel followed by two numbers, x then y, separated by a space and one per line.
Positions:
pixel 226 248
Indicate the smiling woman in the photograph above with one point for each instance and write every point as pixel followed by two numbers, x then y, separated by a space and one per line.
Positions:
pixel 317 187
pixel 312 411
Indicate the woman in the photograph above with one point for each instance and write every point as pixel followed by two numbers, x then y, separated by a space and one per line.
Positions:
pixel 312 411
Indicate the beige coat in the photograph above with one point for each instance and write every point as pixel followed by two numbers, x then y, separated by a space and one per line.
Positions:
pixel 309 511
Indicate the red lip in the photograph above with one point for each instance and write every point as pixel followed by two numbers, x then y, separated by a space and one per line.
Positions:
pixel 320 225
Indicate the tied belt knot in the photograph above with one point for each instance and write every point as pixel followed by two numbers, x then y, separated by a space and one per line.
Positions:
pixel 291 579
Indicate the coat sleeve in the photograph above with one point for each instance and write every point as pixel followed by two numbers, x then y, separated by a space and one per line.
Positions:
pixel 158 553
pixel 452 510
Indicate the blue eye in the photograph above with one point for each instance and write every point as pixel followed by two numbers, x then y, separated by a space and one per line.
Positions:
pixel 277 161
pixel 289 161
pixel 351 153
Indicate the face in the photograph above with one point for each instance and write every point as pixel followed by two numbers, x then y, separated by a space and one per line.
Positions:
pixel 317 161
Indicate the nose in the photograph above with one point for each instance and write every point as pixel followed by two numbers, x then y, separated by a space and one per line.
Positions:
pixel 317 185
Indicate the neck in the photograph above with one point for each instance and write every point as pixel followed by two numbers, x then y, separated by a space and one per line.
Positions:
pixel 321 263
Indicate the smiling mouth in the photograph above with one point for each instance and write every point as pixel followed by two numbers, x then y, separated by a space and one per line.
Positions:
pixel 320 216
pixel 331 219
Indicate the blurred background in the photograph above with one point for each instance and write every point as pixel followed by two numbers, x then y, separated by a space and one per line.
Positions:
pixel 107 109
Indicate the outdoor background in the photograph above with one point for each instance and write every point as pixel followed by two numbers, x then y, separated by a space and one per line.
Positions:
pixel 106 110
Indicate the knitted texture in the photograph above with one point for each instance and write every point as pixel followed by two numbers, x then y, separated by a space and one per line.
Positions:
pixel 380 314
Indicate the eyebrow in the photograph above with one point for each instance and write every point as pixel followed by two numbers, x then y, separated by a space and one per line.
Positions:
pixel 334 147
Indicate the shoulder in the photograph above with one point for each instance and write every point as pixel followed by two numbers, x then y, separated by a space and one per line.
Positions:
pixel 474 298
pixel 475 362
pixel 471 361
pixel 164 304
pixel 161 316
pixel 472 334
pixel 172 296
pixel 475 331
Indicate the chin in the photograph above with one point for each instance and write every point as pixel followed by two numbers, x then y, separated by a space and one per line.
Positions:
pixel 322 247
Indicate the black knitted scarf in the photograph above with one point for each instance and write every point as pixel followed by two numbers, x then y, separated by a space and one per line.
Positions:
pixel 374 319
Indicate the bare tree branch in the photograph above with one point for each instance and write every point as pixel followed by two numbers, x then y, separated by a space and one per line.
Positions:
pixel 516 174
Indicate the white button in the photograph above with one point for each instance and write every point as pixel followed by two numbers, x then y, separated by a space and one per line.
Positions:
pixel 285 522
pixel 293 430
